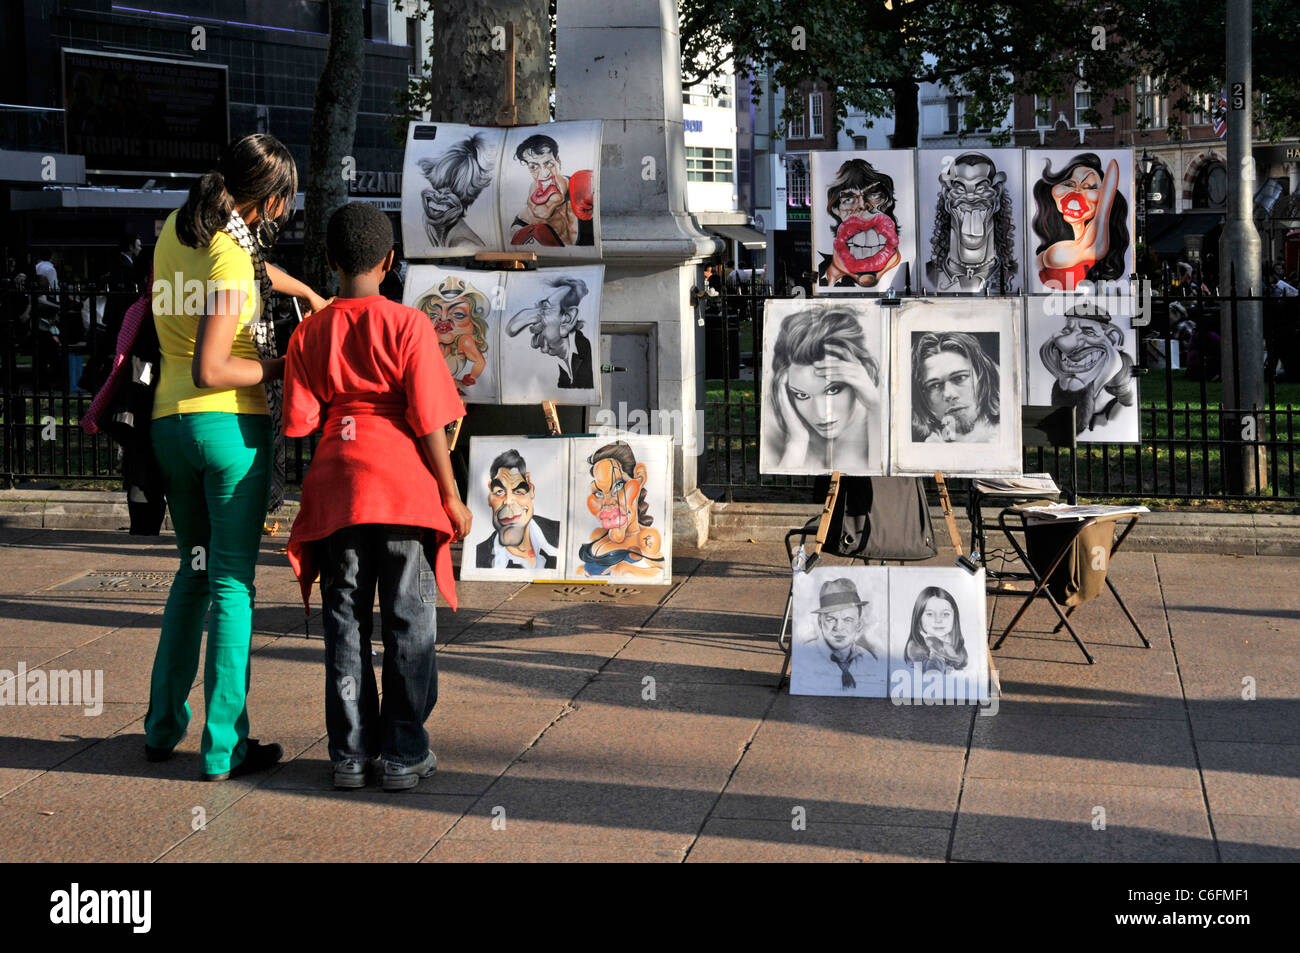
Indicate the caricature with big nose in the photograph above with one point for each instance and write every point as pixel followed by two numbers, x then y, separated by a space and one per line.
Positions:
pixel 556 329
pixel 1086 356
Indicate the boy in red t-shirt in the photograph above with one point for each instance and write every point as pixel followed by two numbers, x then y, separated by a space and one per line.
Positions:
pixel 368 374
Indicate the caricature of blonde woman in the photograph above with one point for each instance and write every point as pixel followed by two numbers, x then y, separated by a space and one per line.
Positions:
pixel 459 313
pixel 624 545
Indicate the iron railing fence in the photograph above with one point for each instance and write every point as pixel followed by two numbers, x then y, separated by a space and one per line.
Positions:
pixel 1190 435
pixel 53 342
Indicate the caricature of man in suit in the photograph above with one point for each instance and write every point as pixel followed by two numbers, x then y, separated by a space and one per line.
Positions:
pixel 557 331
pixel 520 539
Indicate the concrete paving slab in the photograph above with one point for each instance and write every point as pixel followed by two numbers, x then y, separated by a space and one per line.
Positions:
pixel 669 749
pixel 1025 746
pixel 108 803
pixel 1123 684
pixel 1258 780
pixel 37 621
pixel 1269 840
pixel 334 826
pixel 731 840
pixel 695 645
pixel 1231 719
pixel 800 720
pixel 555 811
pixel 515 851
pixel 1036 821
pixel 844 783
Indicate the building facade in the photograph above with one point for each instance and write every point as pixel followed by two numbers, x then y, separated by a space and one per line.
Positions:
pixel 242 65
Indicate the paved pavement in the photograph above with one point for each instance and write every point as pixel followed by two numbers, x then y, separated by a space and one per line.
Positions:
pixel 550 749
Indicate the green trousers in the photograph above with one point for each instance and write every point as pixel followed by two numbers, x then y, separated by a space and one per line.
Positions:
pixel 217 467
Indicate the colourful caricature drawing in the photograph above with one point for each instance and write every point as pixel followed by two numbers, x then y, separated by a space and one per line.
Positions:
pixel 861 202
pixel 459 313
pixel 1081 223
pixel 558 209
pixel 624 545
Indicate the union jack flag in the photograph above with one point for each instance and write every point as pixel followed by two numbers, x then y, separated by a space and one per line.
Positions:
pixel 1221 115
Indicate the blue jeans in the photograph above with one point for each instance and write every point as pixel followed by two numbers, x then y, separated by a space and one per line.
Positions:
pixel 353 562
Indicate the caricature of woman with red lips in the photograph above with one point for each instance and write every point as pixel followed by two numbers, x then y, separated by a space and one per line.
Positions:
pixel 1081 222
pixel 861 201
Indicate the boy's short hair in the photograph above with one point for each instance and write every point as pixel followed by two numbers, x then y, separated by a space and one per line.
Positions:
pixel 358 237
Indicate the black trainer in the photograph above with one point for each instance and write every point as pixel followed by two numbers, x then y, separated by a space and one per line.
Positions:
pixel 259 757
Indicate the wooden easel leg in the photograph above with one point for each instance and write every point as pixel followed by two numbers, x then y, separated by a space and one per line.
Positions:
pixel 455 433
pixel 824 525
pixel 948 515
pixel 552 418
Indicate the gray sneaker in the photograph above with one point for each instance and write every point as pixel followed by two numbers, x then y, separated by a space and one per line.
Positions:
pixel 402 777
pixel 352 772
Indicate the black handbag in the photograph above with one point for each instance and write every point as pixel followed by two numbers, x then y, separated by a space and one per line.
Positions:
pixel 881 518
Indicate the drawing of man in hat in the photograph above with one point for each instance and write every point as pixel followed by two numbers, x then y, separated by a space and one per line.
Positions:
pixel 844 659
pixel 1086 356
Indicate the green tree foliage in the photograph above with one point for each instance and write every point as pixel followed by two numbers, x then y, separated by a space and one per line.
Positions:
pixel 875 53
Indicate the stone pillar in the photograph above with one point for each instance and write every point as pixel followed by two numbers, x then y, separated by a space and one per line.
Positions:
pixel 620 62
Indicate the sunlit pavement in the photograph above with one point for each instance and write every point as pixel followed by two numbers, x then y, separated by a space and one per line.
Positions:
pixel 615 730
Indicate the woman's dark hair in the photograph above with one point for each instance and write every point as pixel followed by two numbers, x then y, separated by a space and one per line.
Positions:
pixel 1004 226
pixel 258 169
pixel 621 453
pixel 1051 227
pixel 916 650
pixel 860 174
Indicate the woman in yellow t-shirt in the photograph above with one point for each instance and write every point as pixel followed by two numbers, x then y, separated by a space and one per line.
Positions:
pixel 213 434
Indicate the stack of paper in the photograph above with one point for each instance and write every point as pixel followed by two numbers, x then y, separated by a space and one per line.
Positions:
pixel 1028 483
pixel 1063 511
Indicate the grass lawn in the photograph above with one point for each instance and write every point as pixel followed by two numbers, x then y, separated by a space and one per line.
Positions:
pixel 1179 453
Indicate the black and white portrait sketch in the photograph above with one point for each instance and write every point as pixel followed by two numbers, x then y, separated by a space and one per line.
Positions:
pixel 934 640
pixel 840 646
pixel 824 381
pixel 448 190
pixel 518 489
pixel 1084 358
pixel 863 220
pixel 550 333
pixel 937 634
pixel 956 386
pixel 973 244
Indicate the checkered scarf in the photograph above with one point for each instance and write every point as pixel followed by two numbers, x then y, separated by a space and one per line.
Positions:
pixel 264 337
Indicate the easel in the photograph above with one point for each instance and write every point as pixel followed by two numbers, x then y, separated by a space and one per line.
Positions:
pixel 823 527
pixel 507 116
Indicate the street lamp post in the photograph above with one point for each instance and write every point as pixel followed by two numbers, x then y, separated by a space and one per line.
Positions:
pixel 1145 163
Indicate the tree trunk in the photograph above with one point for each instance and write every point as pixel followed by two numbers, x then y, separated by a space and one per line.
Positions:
pixel 469 62
pixel 333 127
pixel 468 85
pixel 907 118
